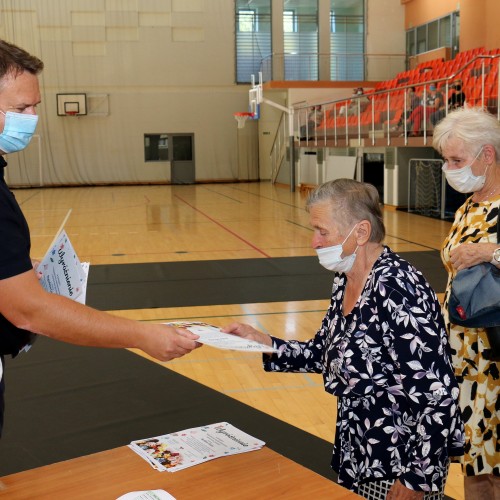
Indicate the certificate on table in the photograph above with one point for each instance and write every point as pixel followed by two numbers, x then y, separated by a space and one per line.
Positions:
pixel 214 337
pixel 189 447
pixel 62 272
pixel 147 495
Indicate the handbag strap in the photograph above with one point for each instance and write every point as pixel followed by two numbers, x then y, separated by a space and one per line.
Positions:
pixel 498 226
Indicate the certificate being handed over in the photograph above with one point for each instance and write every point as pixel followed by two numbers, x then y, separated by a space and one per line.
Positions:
pixel 213 336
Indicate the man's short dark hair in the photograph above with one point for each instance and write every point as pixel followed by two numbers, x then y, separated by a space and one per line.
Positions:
pixel 15 60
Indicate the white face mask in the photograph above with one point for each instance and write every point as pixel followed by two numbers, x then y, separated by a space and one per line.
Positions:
pixel 462 179
pixel 331 257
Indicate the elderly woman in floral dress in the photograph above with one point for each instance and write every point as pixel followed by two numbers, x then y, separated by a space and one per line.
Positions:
pixel 383 351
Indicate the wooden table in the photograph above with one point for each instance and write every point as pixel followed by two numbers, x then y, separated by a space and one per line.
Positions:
pixel 254 475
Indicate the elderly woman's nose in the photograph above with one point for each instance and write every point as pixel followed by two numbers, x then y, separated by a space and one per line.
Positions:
pixel 316 241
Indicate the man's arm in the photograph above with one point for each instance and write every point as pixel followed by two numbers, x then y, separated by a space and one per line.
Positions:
pixel 27 305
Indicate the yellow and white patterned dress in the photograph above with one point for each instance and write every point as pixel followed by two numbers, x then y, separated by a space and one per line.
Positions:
pixel 479 381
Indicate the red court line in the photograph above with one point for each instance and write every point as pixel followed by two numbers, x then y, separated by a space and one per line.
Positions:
pixel 223 227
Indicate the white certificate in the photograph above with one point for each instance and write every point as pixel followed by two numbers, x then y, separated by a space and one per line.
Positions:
pixel 147 495
pixel 213 336
pixel 62 272
pixel 190 447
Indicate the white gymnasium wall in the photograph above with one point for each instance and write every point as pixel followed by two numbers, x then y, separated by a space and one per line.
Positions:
pixel 166 66
pixel 339 167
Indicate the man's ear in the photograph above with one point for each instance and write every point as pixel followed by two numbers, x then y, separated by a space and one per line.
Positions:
pixel 363 232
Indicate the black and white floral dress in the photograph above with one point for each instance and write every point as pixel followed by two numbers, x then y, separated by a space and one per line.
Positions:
pixel 388 363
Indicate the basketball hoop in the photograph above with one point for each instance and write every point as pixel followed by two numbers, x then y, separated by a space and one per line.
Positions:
pixel 71 113
pixel 241 117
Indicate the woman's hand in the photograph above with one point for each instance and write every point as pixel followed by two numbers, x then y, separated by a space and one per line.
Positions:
pixel 469 254
pixel 400 492
pixel 248 332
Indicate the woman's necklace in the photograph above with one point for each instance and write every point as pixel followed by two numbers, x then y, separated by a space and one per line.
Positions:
pixel 486 196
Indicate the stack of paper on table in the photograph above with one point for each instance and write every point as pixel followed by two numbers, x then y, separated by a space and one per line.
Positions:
pixel 214 337
pixel 180 450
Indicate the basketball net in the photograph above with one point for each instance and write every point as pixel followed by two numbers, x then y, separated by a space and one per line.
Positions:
pixel 241 118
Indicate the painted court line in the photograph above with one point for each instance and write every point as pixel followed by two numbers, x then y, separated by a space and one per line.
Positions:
pixel 223 227
pixel 207 318
pixel 61 227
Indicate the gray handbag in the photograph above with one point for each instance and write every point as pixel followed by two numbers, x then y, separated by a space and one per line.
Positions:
pixel 475 301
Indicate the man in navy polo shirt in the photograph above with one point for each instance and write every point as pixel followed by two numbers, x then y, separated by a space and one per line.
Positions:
pixel 26 308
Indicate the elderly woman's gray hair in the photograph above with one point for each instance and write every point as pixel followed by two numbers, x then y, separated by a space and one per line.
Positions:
pixel 351 202
pixel 473 126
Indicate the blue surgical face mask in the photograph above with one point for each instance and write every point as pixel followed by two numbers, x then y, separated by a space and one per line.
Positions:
pixel 17 131
pixel 331 257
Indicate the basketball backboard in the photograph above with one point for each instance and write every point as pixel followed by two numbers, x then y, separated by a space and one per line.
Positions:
pixel 71 104
pixel 255 96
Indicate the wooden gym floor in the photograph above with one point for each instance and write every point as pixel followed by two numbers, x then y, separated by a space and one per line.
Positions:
pixel 135 224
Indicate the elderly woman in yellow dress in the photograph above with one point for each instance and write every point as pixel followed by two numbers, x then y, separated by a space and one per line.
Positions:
pixel 469 141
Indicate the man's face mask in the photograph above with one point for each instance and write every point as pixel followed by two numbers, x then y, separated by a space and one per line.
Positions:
pixel 17 131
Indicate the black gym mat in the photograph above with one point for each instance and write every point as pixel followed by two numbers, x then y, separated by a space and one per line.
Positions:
pixel 65 401
pixel 237 281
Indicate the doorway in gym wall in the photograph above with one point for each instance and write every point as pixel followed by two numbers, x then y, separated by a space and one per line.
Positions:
pixel 182 158
pixel 373 171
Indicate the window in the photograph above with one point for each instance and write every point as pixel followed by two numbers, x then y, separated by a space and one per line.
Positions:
pixel 433 35
pixel 253 38
pixel 422 39
pixel 289 21
pixel 445 32
pixel 300 40
pixel 183 150
pixel 155 147
pixel 300 58
pixel 410 43
pixel 247 21
pixel 347 40
pixel 442 32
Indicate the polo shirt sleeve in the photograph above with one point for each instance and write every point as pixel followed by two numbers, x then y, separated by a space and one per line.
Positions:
pixel 14 236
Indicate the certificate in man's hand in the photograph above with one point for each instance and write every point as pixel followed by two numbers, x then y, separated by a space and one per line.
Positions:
pixel 62 272
pixel 213 336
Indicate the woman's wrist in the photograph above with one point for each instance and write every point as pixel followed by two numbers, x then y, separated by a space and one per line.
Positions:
pixel 266 339
pixel 495 257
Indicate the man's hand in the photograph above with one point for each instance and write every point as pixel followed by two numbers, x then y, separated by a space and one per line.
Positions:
pixel 35 264
pixel 400 492
pixel 166 343
pixel 248 332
